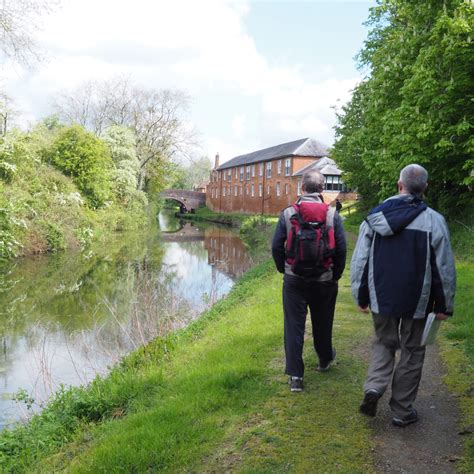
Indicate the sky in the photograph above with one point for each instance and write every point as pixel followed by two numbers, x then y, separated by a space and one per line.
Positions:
pixel 258 72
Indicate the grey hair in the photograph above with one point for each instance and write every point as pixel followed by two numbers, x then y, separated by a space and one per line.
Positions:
pixel 414 179
pixel 313 182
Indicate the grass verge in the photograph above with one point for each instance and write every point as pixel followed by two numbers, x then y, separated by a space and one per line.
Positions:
pixel 211 397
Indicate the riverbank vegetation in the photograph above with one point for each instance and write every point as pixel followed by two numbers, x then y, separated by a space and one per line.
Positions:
pixel 92 169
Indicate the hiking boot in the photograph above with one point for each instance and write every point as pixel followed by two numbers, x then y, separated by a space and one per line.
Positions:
pixel 369 403
pixel 406 420
pixel 323 367
pixel 296 384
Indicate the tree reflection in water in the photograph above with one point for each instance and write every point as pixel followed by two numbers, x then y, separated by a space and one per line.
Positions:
pixel 66 318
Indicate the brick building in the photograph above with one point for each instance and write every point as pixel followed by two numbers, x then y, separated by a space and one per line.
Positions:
pixel 266 181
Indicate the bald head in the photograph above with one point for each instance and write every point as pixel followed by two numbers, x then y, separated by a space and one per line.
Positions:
pixel 413 180
pixel 313 182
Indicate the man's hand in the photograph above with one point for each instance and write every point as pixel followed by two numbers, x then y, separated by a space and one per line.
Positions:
pixel 441 316
pixel 364 309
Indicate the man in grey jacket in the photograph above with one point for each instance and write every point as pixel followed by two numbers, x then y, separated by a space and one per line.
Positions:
pixel 317 291
pixel 403 269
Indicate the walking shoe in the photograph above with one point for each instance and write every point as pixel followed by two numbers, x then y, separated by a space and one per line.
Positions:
pixel 406 420
pixel 296 384
pixel 323 367
pixel 369 403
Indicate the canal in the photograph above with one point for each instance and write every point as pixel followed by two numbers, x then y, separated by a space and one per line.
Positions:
pixel 67 317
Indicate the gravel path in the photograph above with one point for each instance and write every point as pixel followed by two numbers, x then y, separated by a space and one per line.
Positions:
pixel 433 444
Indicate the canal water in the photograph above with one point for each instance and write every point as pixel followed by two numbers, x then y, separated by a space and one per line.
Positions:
pixel 66 318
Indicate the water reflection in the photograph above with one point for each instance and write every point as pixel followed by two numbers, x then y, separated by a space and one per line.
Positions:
pixel 64 318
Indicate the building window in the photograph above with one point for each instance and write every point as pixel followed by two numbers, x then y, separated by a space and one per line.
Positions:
pixel 334 183
pixel 260 190
pixel 241 173
pixel 279 167
pixel 253 171
pixel 235 190
pixel 217 192
pixel 212 193
pixel 298 192
pixel 241 190
pixel 260 169
pixel 247 174
pixel 229 175
pixel 278 189
pixel 252 190
pixel 268 189
pixel 236 173
pixel 287 166
pixel 223 191
pixel 286 188
pixel 247 190
pixel 269 169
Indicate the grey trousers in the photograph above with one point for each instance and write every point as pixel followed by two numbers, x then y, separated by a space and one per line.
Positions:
pixel 392 334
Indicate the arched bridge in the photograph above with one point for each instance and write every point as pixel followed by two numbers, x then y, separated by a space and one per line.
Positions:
pixel 191 199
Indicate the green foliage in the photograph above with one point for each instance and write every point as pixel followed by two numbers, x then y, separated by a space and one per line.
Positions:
pixel 190 176
pixel 122 146
pixel 86 158
pixel 10 228
pixel 416 105
pixel 13 151
pixel 54 236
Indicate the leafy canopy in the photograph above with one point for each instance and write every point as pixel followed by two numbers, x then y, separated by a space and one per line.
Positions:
pixel 416 103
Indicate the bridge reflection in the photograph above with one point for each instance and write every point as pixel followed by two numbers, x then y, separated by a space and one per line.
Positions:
pixel 226 251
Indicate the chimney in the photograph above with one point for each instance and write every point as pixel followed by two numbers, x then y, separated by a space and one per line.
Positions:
pixel 216 164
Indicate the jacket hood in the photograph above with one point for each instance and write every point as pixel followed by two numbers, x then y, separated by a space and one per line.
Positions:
pixel 394 214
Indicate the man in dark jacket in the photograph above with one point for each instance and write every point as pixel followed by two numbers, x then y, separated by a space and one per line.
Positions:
pixel 318 292
pixel 403 269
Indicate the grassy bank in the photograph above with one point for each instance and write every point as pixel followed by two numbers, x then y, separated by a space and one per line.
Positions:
pixel 211 397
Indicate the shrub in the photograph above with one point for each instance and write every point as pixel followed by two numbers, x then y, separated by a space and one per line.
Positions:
pixel 86 158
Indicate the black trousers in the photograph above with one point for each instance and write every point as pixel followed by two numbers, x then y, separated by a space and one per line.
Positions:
pixel 320 297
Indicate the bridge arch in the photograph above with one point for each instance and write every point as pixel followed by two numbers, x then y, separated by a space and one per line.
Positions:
pixel 190 199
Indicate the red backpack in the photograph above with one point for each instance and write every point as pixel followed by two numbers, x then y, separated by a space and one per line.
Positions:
pixel 310 244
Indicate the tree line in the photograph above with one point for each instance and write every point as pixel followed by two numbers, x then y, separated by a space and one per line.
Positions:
pixel 415 103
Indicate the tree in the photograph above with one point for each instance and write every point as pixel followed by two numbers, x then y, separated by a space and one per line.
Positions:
pixel 121 143
pixel 83 156
pixel 19 21
pixel 192 175
pixel 416 103
pixel 156 117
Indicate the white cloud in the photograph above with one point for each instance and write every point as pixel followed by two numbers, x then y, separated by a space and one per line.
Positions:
pixel 202 47
pixel 238 125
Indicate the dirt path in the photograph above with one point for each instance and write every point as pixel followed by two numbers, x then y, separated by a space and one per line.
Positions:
pixel 433 444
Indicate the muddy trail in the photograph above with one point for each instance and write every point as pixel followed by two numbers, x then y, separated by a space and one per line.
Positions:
pixel 433 444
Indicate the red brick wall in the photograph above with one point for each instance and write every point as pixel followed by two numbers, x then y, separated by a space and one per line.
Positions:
pixel 247 202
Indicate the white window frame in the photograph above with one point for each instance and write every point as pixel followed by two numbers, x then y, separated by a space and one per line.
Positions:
pixel 252 190
pixel 279 167
pixel 247 173
pixel 253 171
pixel 269 169
pixel 298 192
pixel 288 167
pixel 235 190
pixel 286 188
pixel 268 189
pixel 242 170
pixel 278 190
pixel 260 189
pixel 261 167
